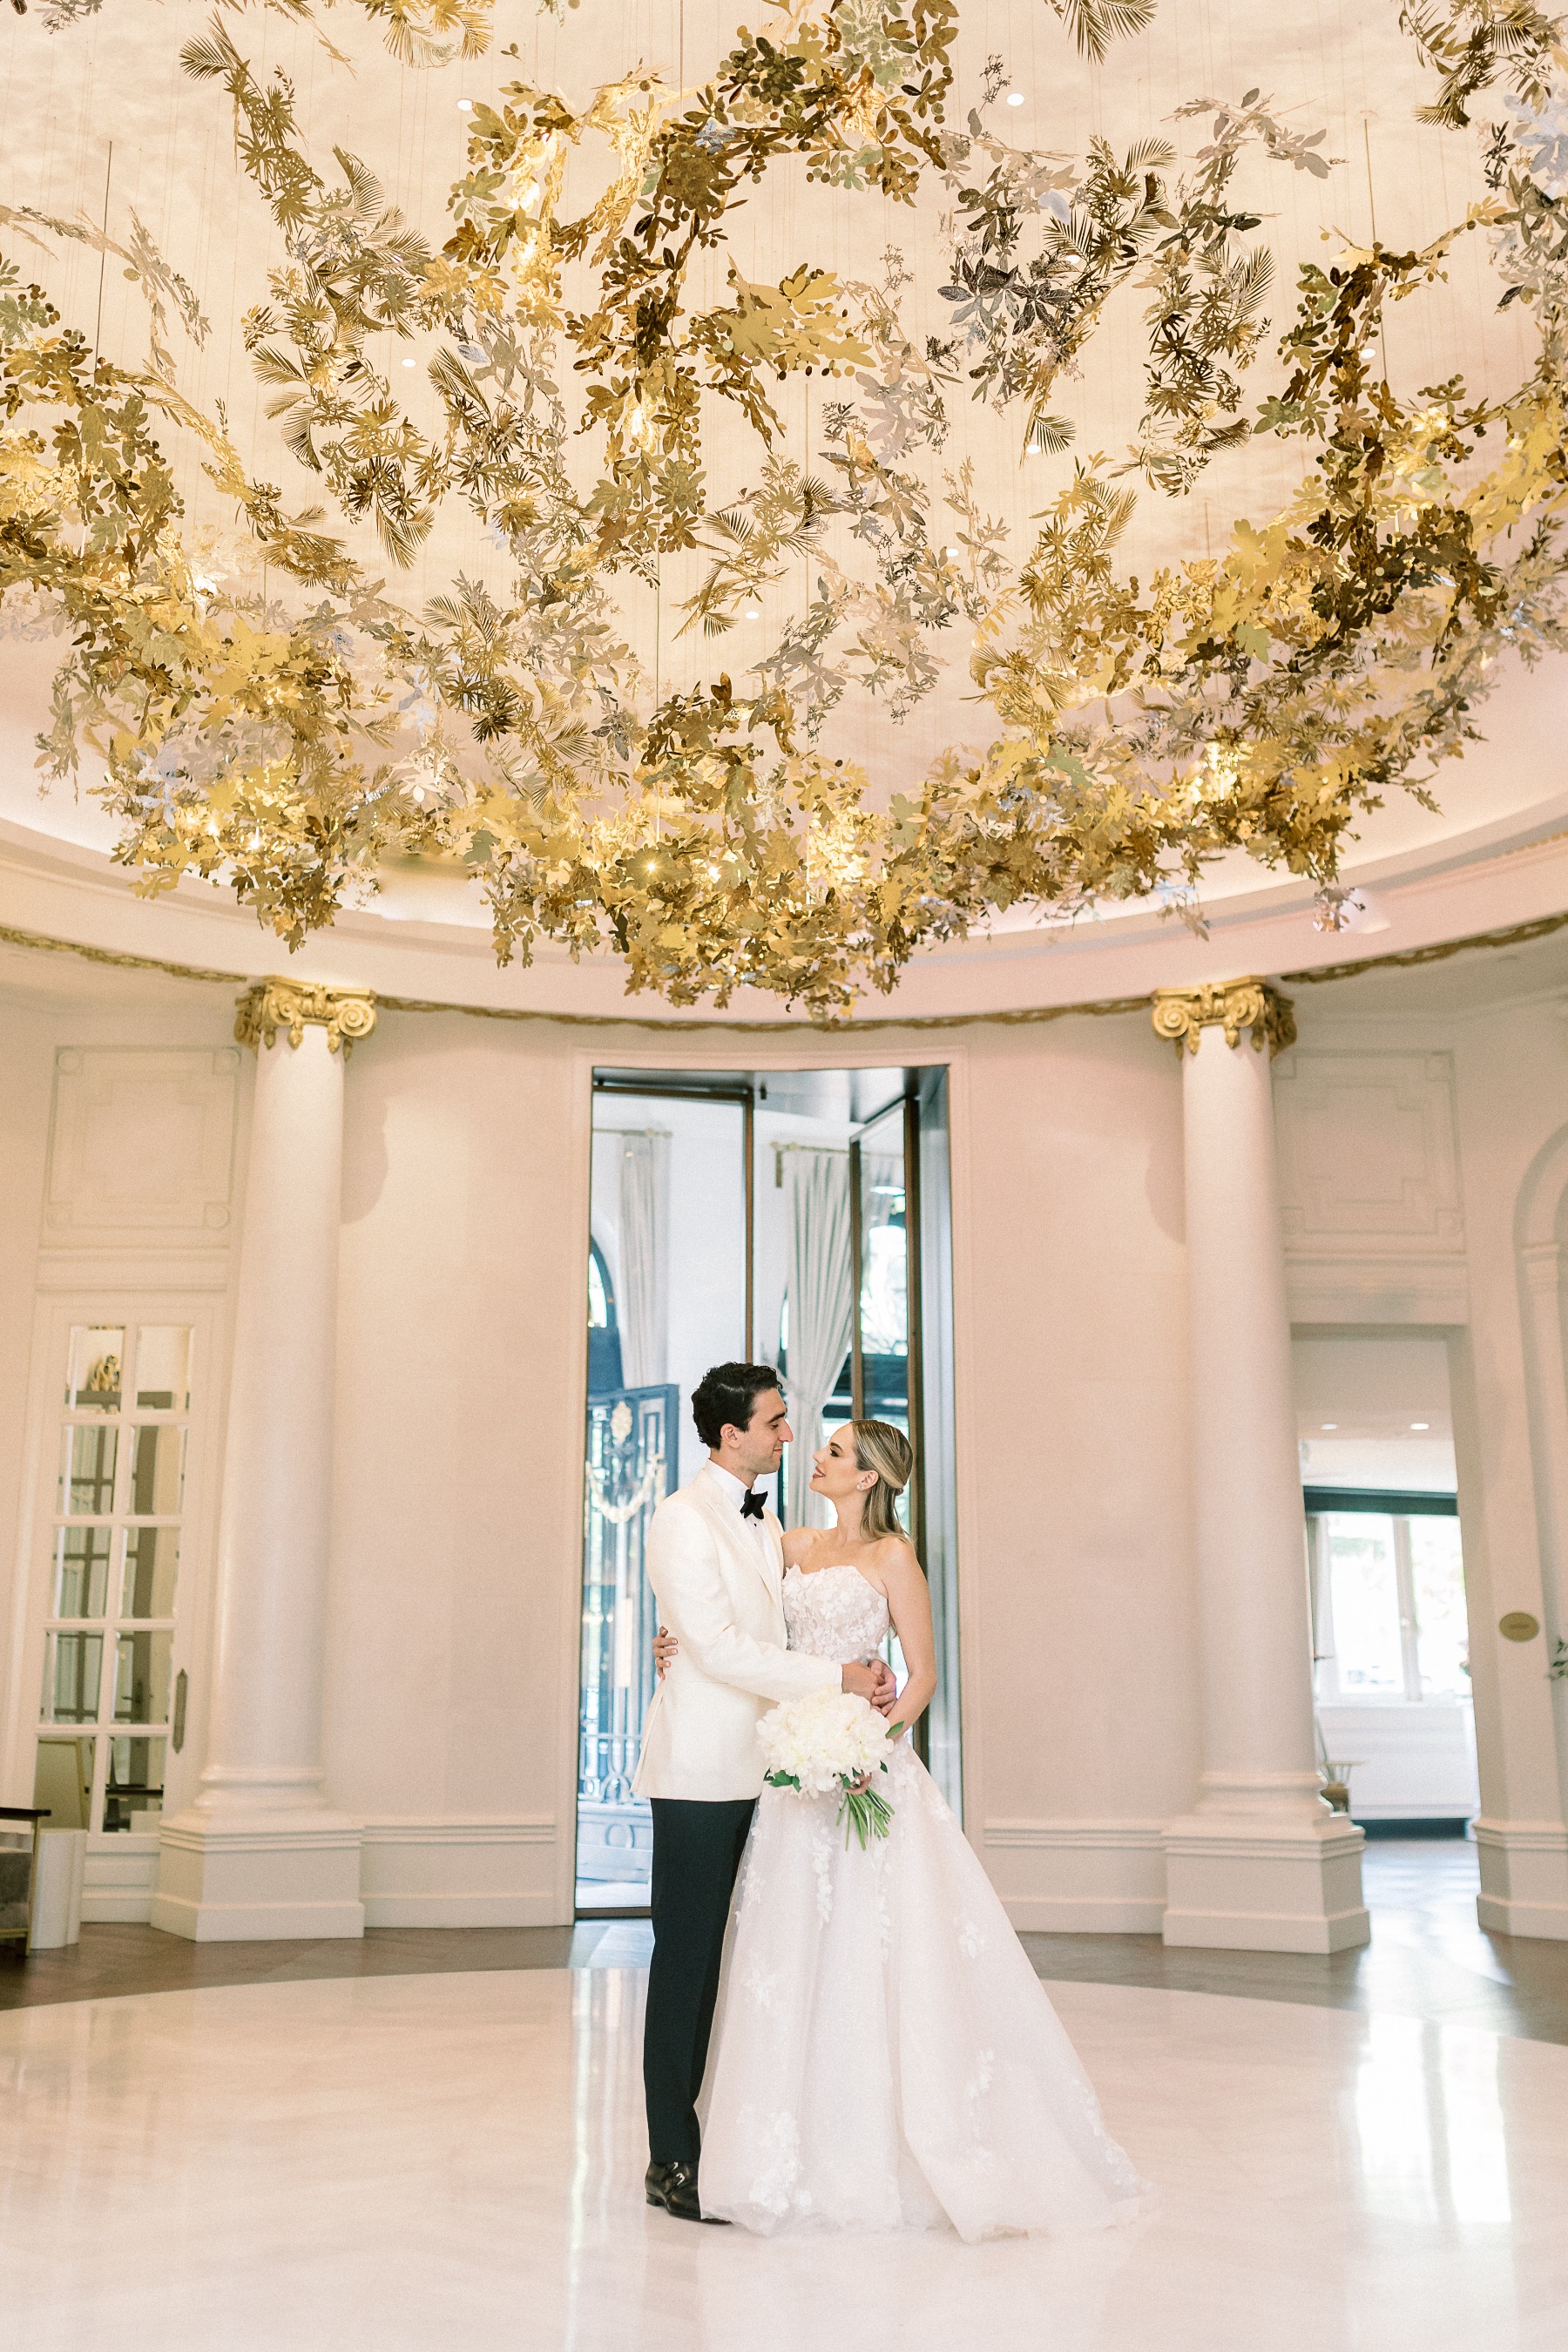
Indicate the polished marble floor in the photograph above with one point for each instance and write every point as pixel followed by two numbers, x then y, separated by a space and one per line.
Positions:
pixel 412 2163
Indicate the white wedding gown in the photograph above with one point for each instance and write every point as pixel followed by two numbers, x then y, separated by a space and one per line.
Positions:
pixel 884 2057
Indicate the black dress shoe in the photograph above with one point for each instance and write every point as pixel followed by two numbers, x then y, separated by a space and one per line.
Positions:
pixel 674 2186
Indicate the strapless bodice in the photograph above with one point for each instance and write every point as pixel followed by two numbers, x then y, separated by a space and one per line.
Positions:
pixel 834 1613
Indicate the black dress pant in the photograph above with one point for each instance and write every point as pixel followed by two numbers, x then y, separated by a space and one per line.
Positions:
pixel 697 1851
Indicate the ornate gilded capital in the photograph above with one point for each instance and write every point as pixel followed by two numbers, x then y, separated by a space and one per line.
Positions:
pixel 1232 1005
pixel 345 1013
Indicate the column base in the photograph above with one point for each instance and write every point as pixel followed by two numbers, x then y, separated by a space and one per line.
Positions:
pixel 1247 1884
pixel 259 1876
pixel 1524 1878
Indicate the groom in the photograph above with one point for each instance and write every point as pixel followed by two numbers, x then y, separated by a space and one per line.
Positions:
pixel 715 1560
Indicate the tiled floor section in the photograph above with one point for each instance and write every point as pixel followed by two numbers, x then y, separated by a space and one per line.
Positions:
pixel 1427 1958
pixel 452 2163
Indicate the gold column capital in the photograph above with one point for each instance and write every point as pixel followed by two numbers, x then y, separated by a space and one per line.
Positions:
pixel 1233 1005
pixel 268 1005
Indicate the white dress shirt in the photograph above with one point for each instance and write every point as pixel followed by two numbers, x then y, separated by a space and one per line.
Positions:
pixel 735 1493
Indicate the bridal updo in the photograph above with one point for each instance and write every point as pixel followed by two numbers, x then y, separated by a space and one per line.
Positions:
pixel 881 1447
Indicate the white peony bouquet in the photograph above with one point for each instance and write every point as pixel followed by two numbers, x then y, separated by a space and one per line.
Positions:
pixel 831 1740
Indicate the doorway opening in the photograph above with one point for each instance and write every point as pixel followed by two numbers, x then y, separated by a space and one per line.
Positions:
pixel 1391 1634
pixel 800 1218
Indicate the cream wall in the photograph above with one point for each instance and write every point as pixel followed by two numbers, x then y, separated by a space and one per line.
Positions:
pixel 1079 1718
pixel 452 1638
pixel 458 1515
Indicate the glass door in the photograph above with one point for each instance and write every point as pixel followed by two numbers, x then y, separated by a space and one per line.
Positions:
pixel 666 1296
pixel 692 1260
pixel 104 1715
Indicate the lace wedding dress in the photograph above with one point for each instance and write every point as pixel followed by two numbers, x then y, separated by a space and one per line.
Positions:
pixel 884 2056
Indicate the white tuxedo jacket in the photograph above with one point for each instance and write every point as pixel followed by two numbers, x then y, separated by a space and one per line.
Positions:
pixel 720 1593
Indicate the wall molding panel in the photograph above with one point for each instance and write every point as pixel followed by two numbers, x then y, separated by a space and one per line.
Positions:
pixel 1368 1157
pixel 141 1145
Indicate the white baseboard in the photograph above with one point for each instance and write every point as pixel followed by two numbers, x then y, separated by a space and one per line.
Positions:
pixel 1267 1931
pixel 459 1871
pixel 1265 1882
pixel 206 1922
pixel 120 1879
pixel 1503 1915
pixel 1085 1915
pixel 117 1907
pixel 462 1909
pixel 1064 1877
pixel 1525 1877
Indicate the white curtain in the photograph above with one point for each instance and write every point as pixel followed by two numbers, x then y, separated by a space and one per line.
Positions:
pixel 821 1310
pixel 644 1302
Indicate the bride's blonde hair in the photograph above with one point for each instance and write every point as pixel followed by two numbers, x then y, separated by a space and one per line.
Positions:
pixel 881 1447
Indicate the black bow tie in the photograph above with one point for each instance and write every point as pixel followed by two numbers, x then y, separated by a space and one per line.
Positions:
pixel 753 1505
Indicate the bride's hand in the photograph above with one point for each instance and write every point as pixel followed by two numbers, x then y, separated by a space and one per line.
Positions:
pixel 665 1649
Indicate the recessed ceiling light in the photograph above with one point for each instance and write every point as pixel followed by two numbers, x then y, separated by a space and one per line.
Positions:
pixel 1015 98
pixel 1420 1425
pixel 753 612
pixel 1330 1424
pixel 464 106
pixel 408 362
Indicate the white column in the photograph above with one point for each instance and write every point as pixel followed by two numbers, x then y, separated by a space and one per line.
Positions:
pixel 261 1854
pixel 1261 1863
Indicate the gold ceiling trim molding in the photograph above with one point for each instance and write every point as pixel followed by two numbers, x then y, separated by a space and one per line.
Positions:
pixel 1513 935
pixel 1404 959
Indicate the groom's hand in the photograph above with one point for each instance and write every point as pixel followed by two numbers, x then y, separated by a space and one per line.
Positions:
pixel 874 1682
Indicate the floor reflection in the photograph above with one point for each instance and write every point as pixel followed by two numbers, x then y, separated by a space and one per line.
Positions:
pixel 399 2164
pixel 1429 2125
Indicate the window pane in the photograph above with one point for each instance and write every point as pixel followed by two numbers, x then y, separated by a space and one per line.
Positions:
pixel 152 1561
pixel 884 1302
pixel 87 1475
pixel 134 1794
pixel 1365 1582
pixel 81 1572
pixel 97 1353
pixel 157 1469
pixel 1442 1626
pixel 62 1780
pixel 142 1677
pixel 164 1367
pixel 72 1664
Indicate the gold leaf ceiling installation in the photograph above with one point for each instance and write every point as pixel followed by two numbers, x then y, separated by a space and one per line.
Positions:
pixel 584 292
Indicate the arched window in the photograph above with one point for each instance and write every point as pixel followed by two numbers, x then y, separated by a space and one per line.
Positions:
pixel 601 1294
pixel 603 1330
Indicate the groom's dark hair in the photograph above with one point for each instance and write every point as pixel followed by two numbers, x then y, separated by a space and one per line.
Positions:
pixel 729 1393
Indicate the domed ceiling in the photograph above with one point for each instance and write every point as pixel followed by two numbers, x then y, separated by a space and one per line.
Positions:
pixel 854 501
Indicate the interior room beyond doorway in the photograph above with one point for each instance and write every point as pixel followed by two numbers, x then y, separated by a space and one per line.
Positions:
pixel 1391 1635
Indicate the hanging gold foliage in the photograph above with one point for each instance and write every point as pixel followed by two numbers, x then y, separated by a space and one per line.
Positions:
pixel 1261 698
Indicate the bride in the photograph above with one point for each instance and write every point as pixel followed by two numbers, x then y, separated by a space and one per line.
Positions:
pixel 885 2056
